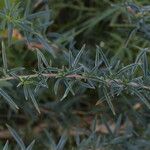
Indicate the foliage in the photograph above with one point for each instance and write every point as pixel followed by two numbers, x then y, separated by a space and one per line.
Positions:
pixel 64 97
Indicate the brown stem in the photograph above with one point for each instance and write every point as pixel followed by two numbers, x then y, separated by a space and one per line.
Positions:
pixel 50 75
pixel 77 76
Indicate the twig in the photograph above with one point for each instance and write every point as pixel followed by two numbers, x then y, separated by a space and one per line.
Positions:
pixel 77 76
pixel 50 75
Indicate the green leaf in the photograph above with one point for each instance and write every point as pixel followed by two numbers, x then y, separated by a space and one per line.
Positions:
pixel 4 83
pixel 108 99
pixel 70 59
pixel 27 10
pixel 120 139
pixel 56 85
pixel 142 98
pixel 90 23
pixel 65 94
pixel 46 45
pixel 98 61
pixel 38 14
pixel 86 85
pixel 51 142
pixel 140 55
pixel 68 89
pixel 139 58
pixel 133 32
pixel 26 27
pixel 6 146
pixel 78 56
pixel 10 32
pixel 69 85
pixel 8 99
pixel 33 99
pixel 30 147
pixel 91 83
pixel 103 57
pixel 40 65
pixel 62 142
pixel 126 68
pixel 3 23
pixel 40 57
pixel 77 139
pixel 25 90
pixel 52 69
pixel 145 65
pixel 7 4
pixel 4 56
pixel 75 71
pixel 16 137
pixel 93 127
pixel 118 124
pixel 107 125
pixel 16 70
pixel 44 25
pixel 97 57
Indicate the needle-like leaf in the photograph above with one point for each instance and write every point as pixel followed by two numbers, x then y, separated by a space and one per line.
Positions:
pixel 4 56
pixel 6 146
pixel 16 137
pixel 8 99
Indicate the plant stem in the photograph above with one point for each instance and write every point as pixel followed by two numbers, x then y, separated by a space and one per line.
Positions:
pixel 77 76
pixel 50 75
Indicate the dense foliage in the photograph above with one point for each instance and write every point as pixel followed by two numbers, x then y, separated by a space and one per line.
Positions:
pixel 74 74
